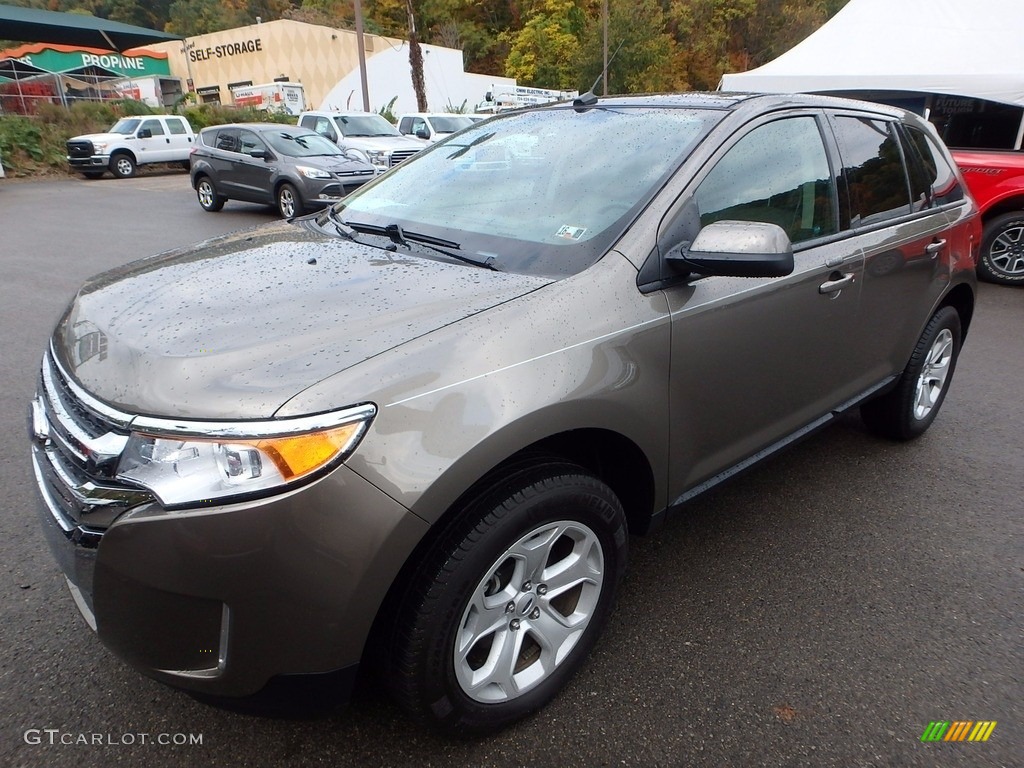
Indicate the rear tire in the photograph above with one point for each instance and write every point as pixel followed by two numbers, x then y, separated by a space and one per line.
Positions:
pixel 1002 250
pixel 510 600
pixel 289 204
pixel 209 199
pixel 908 410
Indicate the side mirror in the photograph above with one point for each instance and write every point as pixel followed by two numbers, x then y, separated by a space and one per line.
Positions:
pixel 737 249
pixel 145 133
pixel 259 153
pixel 422 133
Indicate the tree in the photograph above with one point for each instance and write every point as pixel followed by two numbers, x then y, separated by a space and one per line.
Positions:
pixel 647 57
pixel 198 17
pixel 545 52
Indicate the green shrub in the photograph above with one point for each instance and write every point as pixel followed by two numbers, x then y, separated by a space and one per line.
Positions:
pixel 35 144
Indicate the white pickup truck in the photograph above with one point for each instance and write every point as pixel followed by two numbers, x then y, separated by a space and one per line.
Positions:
pixel 367 136
pixel 131 142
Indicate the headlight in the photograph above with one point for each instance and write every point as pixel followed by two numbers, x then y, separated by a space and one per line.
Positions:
pixel 312 173
pixel 99 146
pixel 377 157
pixel 187 463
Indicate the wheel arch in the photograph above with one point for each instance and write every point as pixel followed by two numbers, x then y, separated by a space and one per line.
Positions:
pixel 124 151
pixel 610 456
pixel 960 298
pixel 1014 202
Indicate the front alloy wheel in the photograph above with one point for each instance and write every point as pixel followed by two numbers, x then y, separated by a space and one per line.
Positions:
pixel 529 611
pixel 509 600
pixel 122 165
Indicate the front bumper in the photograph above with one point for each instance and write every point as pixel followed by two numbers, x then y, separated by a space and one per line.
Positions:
pixel 222 599
pixel 88 163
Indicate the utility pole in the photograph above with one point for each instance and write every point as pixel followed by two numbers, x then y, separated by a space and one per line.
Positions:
pixel 361 48
pixel 604 71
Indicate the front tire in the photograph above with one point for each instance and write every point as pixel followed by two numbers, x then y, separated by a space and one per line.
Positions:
pixel 1002 250
pixel 122 165
pixel 93 175
pixel 908 410
pixel 289 204
pixel 510 601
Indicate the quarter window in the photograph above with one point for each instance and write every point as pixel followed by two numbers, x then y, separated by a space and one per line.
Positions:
pixel 938 179
pixel 872 170
pixel 779 174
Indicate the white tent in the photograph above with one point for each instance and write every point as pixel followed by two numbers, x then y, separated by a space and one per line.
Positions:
pixel 957 47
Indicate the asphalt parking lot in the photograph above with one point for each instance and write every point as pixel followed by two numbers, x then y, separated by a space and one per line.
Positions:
pixel 819 611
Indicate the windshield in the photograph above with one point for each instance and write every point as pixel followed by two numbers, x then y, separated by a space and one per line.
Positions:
pixel 366 125
pixel 450 124
pixel 542 192
pixel 300 143
pixel 126 125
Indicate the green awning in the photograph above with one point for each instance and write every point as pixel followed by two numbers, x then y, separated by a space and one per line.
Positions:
pixel 34 26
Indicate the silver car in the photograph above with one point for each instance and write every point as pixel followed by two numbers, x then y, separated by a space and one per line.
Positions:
pixel 426 421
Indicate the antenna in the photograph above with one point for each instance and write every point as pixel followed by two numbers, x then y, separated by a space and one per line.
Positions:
pixel 589 99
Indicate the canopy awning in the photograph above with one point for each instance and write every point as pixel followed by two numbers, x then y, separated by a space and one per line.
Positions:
pixel 951 47
pixel 33 25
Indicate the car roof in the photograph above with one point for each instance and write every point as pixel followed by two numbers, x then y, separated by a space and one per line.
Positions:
pixel 735 100
pixel 261 127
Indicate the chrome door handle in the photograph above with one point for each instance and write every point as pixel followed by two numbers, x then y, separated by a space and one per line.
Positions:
pixel 834 286
pixel 932 249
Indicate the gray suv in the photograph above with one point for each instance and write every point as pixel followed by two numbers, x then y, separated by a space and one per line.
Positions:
pixel 282 165
pixel 426 420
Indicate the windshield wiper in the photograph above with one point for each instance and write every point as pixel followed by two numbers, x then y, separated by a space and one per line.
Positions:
pixel 342 226
pixel 402 237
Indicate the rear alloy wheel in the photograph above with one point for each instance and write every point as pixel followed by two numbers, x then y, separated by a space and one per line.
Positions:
pixel 908 410
pixel 289 204
pixel 511 600
pixel 208 197
pixel 122 165
pixel 1002 250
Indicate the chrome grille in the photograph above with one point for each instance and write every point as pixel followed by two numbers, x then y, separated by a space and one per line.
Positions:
pixel 76 453
pixel 400 155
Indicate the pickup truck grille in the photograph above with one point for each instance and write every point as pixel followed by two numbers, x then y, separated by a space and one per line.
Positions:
pixel 399 156
pixel 76 453
pixel 80 148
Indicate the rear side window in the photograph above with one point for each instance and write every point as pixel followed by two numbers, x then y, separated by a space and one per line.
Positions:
pixel 875 180
pixel 931 178
pixel 155 127
pixel 176 126
pixel 227 140
pixel 779 174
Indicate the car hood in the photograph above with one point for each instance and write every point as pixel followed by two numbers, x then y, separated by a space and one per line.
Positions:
pixel 334 163
pixel 94 137
pixel 387 143
pixel 237 326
